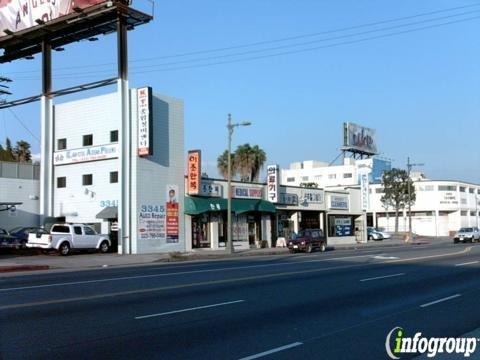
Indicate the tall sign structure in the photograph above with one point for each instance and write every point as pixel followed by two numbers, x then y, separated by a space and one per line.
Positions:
pixel 359 140
pixel 51 25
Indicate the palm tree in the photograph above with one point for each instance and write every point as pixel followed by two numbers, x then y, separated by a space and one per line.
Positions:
pixel 244 158
pixel 259 158
pixel 222 164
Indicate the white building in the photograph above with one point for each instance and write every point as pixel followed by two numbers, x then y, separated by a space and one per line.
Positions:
pixel 86 170
pixel 441 207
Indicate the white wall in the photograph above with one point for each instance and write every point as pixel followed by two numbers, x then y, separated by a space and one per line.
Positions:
pixel 20 190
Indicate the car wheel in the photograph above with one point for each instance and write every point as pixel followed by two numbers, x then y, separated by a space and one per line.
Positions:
pixel 64 249
pixel 308 248
pixel 370 237
pixel 104 247
pixel 455 241
pixel 323 247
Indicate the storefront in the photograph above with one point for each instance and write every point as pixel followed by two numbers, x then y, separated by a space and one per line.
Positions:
pixel 206 216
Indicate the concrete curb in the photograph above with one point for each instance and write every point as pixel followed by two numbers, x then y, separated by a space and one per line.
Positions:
pixel 14 268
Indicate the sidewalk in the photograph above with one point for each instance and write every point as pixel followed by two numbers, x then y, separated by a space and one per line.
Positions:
pixel 29 261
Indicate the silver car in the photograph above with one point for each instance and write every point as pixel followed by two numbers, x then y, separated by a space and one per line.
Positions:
pixel 467 234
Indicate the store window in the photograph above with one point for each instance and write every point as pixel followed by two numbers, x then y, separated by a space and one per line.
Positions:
pixel 200 235
pixel 113 177
pixel 340 225
pixel 61 182
pixel 88 140
pixel 87 179
pixel 447 188
pixel 114 136
pixel 61 144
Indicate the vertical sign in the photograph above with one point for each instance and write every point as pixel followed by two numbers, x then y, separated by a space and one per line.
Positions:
pixel 144 121
pixel 194 172
pixel 272 183
pixel 363 173
pixel 172 214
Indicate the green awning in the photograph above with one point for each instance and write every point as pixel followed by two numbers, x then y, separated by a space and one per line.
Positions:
pixel 198 205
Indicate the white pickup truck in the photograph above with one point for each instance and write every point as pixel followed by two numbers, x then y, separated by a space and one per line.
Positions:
pixel 67 237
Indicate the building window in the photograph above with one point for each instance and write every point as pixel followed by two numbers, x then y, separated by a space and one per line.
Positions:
pixel 332 176
pixel 471 190
pixel 88 140
pixel 472 213
pixel 61 182
pixel 379 190
pixel 463 213
pixel 347 175
pixel 318 177
pixel 462 188
pixel 61 144
pixel 290 179
pixel 447 188
pixel 87 179
pixel 304 178
pixel 114 136
pixel 113 177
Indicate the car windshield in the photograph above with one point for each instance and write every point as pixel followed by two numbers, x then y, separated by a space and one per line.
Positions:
pixel 466 230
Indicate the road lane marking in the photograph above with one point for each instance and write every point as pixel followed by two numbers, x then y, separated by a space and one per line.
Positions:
pixel 189 309
pixel 173 274
pixel 273 351
pixel 382 277
pixel 209 283
pixel 467 263
pixel 381 257
pixel 440 300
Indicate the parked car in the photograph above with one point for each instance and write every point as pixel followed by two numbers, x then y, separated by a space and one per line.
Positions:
pixel 67 237
pixel 20 234
pixel 467 234
pixel 307 240
pixel 374 234
pixel 6 240
pixel 385 235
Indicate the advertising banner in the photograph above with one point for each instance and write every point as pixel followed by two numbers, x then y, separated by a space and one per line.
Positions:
pixel 243 192
pixel 151 222
pixel 91 153
pixel 194 176
pixel 144 121
pixel 16 15
pixel 272 183
pixel 339 202
pixel 172 214
pixel 359 138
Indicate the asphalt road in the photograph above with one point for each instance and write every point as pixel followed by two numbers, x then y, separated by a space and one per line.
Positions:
pixel 334 305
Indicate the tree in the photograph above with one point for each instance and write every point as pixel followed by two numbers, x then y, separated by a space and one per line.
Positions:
pixel 244 158
pixel 259 158
pixel 395 183
pixel 222 164
pixel 9 155
pixel 22 152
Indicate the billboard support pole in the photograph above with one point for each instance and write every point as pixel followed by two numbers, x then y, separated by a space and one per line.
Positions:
pixel 124 211
pixel 46 159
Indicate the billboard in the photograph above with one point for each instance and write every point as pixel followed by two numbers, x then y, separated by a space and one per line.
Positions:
pixel 358 138
pixel 16 15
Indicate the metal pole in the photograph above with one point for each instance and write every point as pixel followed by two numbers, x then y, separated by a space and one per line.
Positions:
pixel 409 201
pixel 229 245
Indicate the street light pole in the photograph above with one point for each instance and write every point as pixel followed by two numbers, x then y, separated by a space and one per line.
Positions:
pixel 229 245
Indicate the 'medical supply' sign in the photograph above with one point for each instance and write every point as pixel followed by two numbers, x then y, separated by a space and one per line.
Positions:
pixel 272 183
pixel 91 153
pixel 247 192
pixel 144 121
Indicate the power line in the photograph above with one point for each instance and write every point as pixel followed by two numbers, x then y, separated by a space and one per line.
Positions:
pixel 266 42
pixel 74 76
pixel 23 125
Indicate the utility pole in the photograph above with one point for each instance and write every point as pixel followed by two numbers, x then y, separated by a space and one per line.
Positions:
pixel 229 244
pixel 409 168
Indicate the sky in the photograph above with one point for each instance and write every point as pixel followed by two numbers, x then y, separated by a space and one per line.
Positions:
pixel 297 70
